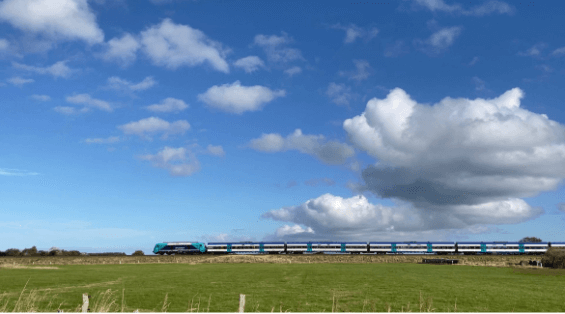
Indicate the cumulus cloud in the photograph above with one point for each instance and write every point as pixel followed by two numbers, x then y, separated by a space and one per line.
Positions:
pixel 330 152
pixel 215 150
pixel 440 40
pixel 108 140
pixel 292 71
pixel 470 157
pixel 339 94
pixel 62 20
pixel 319 182
pixel 180 162
pixel 352 32
pixel 236 98
pixel 168 105
pixel 361 73
pixel 41 97
pixel 330 217
pixel 489 7
pixel 175 45
pixel 59 69
pixel 145 127
pixel 117 83
pixel 276 48
pixel 88 102
pixel 287 230
pixel 250 64
pixel 123 50
pixel 19 81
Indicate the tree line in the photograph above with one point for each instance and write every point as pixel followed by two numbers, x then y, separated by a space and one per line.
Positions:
pixel 54 251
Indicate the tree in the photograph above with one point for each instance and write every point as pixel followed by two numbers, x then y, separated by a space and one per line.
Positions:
pixel 138 253
pixel 531 239
pixel 30 252
pixel 13 252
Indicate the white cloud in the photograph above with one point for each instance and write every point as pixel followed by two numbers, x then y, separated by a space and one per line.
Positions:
pixel 440 40
pixel 151 125
pixel 331 152
pixel 168 105
pixel 397 49
pixel 339 94
pixel 70 110
pixel 180 162
pixel 108 140
pixel 473 158
pixel 59 69
pixel 292 71
pixel 63 19
pixel 489 7
pixel 41 97
pixel 352 32
pixel 89 102
pixel 16 172
pixel 4 44
pixel 18 81
pixel 174 45
pixel 558 51
pixel 362 71
pixel 331 217
pixel 475 60
pixel 122 49
pixel 117 83
pixel 534 51
pixel 216 150
pixel 250 64
pixel 235 98
pixel 275 48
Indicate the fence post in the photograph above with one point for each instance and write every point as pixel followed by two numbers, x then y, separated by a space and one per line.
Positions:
pixel 85 302
pixel 241 303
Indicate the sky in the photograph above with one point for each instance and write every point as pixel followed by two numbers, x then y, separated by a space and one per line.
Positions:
pixel 127 123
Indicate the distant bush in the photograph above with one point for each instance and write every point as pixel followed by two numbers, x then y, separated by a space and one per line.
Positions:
pixel 30 252
pixel 70 253
pixel 13 252
pixel 554 258
pixel 138 253
pixel 2 253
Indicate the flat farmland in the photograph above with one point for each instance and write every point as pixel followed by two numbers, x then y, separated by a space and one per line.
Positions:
pixel 276 283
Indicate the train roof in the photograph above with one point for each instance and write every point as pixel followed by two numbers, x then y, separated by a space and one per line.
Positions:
pixel 325 242
pixel 477 242
pixel 411 242
pixel 215 243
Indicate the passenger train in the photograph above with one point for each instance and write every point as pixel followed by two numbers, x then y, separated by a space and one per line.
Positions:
pixel 440 248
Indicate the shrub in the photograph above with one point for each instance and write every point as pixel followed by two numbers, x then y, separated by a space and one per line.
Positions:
pixel 138 253
pixel 531 239
pixel 554 257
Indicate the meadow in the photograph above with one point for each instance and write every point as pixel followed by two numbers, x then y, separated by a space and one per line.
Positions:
pixel 289 287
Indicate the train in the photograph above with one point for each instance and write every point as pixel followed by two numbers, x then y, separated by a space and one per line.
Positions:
pixel 410 247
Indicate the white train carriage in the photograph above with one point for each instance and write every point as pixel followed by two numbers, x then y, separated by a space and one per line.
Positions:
pixel 382 247
pixel 298 247
pixel 246 247
pixel 471 247
pixel 560 245
pixel 355 247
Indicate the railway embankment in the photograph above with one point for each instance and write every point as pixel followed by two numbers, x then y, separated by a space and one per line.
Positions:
pixel 465 260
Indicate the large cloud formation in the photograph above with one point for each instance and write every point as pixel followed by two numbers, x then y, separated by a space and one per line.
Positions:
pixel 458 164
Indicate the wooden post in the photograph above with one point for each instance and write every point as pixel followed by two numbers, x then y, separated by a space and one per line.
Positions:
pixel 85 302
pixel 241 303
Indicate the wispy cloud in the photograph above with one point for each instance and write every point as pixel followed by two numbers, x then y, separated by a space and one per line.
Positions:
pixel 487 8
pixel 362 71
pixel 16 172
pixel 352 32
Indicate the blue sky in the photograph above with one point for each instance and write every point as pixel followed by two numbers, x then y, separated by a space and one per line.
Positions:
pixel 127 123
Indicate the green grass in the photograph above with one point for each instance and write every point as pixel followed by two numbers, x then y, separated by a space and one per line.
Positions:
pixel 283 287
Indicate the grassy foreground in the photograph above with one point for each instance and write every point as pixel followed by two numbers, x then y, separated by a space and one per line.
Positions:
pixel 282 287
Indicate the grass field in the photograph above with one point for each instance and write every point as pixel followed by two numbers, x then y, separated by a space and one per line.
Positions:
pixel 282 287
